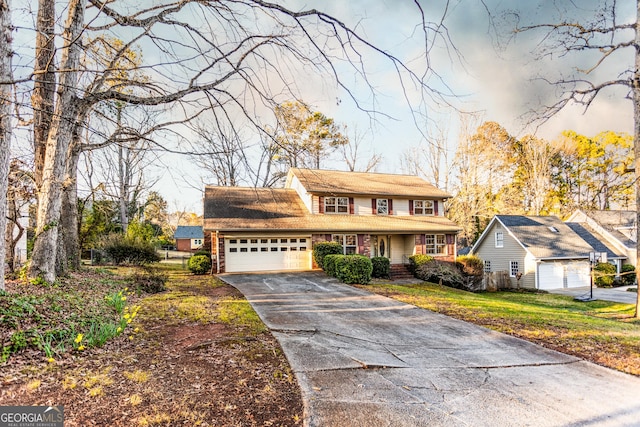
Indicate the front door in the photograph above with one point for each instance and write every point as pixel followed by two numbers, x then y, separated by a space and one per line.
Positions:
pixel 381 246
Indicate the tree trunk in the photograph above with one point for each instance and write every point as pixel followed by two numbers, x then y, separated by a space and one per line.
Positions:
pixel 5 121
pixel 69 221
pixel 636 140
pixel 43 260
pixel 44 84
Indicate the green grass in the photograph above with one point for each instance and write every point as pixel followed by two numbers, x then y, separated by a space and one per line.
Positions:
pixel 600 331
pixel 239 312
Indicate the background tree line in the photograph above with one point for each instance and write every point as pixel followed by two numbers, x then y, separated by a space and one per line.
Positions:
pixel 497 173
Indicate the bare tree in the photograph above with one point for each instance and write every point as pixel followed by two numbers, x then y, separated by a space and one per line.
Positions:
pixel 598 43
pixel 353 155
pixel 238 58
pixel 6 95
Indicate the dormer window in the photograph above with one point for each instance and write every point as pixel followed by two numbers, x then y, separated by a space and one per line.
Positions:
pixel 423 207
pixel 336 205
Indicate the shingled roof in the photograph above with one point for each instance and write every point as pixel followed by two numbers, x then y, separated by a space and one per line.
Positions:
pixel 546 236
pixel 188 232
pixel 272 209
pixel 364 183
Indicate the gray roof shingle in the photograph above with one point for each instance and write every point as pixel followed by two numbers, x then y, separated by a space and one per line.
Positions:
pixel 366 183
pixel 269 209
pixel 546 236
pixel 188 232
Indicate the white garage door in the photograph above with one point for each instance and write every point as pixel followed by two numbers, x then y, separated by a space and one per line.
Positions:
pixel 550 275
pixel 578 274
pixel 571 274
pixel 267 253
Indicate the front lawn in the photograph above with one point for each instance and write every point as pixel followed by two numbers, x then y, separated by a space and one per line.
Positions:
pixel 603 332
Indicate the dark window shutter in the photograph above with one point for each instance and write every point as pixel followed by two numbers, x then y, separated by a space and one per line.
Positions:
pixel 321 204
pixel 390 206
pixel 374 206
pixel 351 207
pixel 435 207
pixel 327 237
pixel 361 243
pixel 410 207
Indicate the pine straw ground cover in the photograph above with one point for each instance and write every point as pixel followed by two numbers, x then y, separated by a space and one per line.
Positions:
pixel 602 332
pixel 195 354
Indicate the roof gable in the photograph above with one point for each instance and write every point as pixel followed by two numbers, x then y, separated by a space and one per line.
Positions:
pixel 620 225
pixel 365 183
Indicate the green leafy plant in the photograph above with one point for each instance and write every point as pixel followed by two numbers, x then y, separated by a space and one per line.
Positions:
pixel 627 278
pixel 381 267
pixel 329 262
pixel 354 269
pixel 322 249
pixel 199 264
pixel 124 249
pixel 604 274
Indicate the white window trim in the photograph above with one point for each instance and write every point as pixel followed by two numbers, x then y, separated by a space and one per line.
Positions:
pixel 424 207
pixel 342 238
pixel 511 269
pixel 382 209
pixel 337 205
pixel 433 249
pixel 499 242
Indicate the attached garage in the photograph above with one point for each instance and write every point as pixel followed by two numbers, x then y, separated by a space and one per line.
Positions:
pixel 563 274
pixel 259 253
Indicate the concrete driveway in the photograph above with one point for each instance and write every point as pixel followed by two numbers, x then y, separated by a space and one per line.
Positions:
pixel 366 360
pixel 619 294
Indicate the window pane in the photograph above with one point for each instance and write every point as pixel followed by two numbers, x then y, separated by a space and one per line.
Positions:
pixel 351 239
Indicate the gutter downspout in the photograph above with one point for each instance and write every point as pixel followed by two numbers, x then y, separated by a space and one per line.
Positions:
pixel 217 254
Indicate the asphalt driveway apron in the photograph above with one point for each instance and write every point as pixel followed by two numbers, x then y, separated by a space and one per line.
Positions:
pixel 366 360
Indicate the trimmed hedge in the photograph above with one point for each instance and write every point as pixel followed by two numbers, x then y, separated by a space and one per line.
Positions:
pixel 604 274
pixel 322 249
pixel 199 264
pixel 354 269
pixel 330 264
pixel 381 267
pixel 415 261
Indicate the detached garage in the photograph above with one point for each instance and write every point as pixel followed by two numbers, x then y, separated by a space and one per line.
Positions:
pixel 563 274
pixel 264 253
pixel 540 252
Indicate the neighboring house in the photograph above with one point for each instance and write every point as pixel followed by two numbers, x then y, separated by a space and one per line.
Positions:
pixel 612 231
pixel 262 229
pixel 545 251
pixel 188 238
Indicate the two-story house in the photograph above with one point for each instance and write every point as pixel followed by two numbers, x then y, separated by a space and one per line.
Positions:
pixel 373 214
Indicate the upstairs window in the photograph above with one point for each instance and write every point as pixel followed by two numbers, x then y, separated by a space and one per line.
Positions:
pixel 499 239
pixel 423 207
pixel 383 206
pixel 336 205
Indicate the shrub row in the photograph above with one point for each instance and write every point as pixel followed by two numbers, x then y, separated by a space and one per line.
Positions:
pixel 350 269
